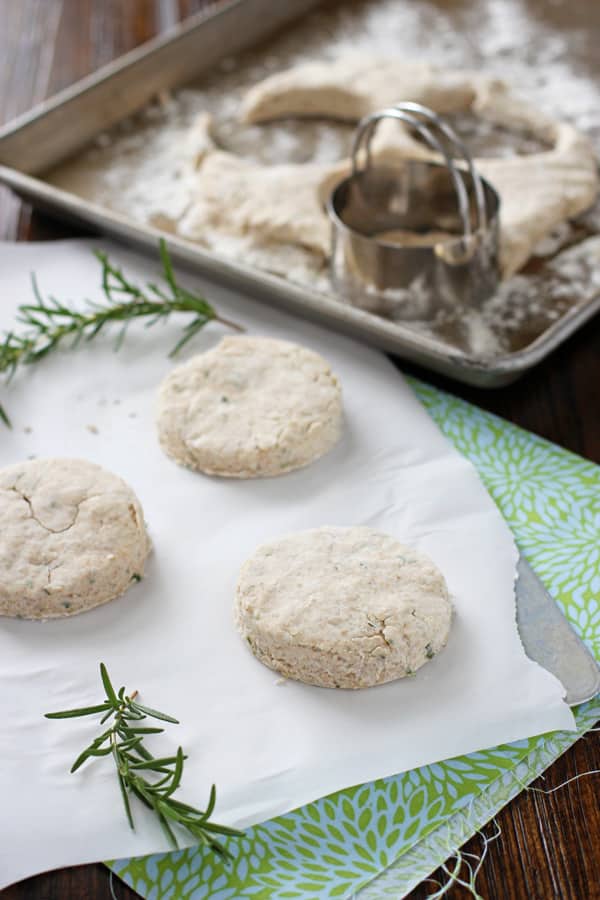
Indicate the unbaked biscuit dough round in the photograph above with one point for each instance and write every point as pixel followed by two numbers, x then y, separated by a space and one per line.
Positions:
pixel 342 607
pixel 250 407
pixel 72 537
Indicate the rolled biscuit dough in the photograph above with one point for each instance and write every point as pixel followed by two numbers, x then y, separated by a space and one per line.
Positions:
pixel 537 192
pixel 73 537
pixel 250 407
pixel 342 607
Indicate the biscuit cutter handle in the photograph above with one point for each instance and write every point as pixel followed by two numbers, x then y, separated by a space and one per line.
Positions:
pixel 550 641
pixel 442 138
pixel 444 199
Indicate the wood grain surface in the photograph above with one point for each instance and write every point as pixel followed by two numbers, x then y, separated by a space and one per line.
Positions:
pixel 549 845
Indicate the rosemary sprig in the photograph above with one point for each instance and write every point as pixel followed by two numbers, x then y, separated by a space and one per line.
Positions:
pixel 124 740
pixel 48 322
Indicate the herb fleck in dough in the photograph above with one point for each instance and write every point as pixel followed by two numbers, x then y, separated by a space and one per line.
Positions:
pixel 342 607
pixel 72 537
pixel 251 407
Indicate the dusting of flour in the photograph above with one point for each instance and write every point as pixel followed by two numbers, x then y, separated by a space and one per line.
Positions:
pixel 145 167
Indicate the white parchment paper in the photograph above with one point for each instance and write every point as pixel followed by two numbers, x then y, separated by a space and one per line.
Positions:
pixel 269 747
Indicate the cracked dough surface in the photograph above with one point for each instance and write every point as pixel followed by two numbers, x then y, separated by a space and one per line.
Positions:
pixel 250 407
pixel 73 537
pixel 342 607
pixel 538 191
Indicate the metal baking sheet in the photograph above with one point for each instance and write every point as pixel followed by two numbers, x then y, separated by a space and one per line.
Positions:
pixel 218 53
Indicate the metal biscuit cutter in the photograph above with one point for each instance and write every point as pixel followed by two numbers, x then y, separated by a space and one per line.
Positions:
pixel 416 236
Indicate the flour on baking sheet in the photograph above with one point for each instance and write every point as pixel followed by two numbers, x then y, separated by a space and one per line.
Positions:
pixel 153 149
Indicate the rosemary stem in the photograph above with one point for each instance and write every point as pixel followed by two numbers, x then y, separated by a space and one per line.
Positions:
pixel 234 325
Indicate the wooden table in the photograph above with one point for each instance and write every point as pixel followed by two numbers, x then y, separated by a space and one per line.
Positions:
pixel 550 845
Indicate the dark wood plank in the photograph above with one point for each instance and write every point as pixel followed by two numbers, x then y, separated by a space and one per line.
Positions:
pixel 549 844
pixel 77 883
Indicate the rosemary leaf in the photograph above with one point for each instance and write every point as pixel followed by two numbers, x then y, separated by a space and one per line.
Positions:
pixel 126 803
pixel 153 763
pixel 133 731
pixel 168 831
pixel 110 691
pixel 84 711
pixel 85 754
pixel 154 713
pixel 176 774
pixel 4 417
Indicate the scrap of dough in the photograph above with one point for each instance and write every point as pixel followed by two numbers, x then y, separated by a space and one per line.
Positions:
pixel 250 407
pixel 268 209
pixel 73 537
pixel 342 607
pixel 352 86
pixel 537 192
pixel 280 203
